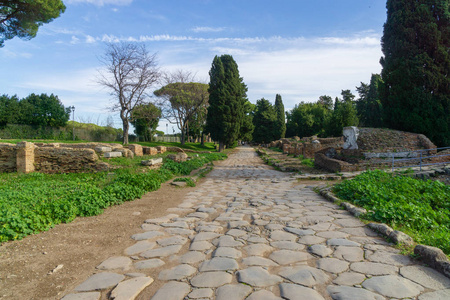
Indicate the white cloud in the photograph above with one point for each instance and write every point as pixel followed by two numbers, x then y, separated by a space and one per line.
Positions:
pixel 208 29
pixel 90 39
pixel 101 2
pixel 74 40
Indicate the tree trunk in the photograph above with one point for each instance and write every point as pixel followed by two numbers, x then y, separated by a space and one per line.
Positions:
pixel 126 126
pixel 221 146
pixel 183 136
pixel 202 139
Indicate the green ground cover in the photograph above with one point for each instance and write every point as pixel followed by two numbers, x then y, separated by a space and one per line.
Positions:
pixel 418 208
pixel 30 203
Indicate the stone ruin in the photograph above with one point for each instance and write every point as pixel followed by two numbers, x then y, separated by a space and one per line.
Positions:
pixel 358 149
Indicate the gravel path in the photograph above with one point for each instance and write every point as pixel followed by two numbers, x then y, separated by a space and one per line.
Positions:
pixel 250 232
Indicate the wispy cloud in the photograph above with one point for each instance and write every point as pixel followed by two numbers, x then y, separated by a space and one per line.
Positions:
pixel 101 2
pixel 207 29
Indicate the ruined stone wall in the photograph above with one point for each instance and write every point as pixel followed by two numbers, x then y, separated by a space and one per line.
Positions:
pixel 8 157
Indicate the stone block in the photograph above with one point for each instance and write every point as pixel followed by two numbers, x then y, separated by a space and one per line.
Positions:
pixel 103 149
pixel 113 154
pixel 25 157
pixel 136 149
pixel 152 162
pixel 161 149
pixel 179 157
pixel 150 150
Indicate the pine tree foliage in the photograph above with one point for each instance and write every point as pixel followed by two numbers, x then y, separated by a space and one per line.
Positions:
pixel 416 64
pixel 281 120
pixel 266 122
pixel 369 107
pixel 227 96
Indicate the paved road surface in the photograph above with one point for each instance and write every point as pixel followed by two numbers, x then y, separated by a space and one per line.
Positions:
pixel 250 232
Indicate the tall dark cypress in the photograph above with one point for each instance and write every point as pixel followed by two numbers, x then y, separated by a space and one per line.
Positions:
pixel 265 121
pixel 416 63
pixel 281 120
pixel 227 95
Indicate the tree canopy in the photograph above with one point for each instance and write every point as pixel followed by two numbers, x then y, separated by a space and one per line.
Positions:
pixel 265 122
pixel 23 18
pixel 145 119
pixel 227 95
pixel 281 120
pixel 416 64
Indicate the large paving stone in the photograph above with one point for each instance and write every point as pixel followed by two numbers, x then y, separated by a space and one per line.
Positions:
pixel 172 290
pixel 211 279
pixel 227 252
pixel 227 241
pixel 311 240
pixel 179 231
pixel 426 277
pixel 393 286
pixel 258 261
pixel 305 275
pixel 342 242
pixel 286 257
pixel 332 265
pixel 389 258
pixel 206 293
pixel 161 252
pixel 351 293
pixel 279 235
pixel 299 232
pixel 162 219
pixel 140 247
pixel 333 234
pixel 148 264
pixel 349 279
pixel 374 269
pixel 286 245
pixel 351 254
pixel 320 250
pixel 233 292
pixel 99 282
pixel 174 240
pixel 258 249
pixel 437 295
pixel 205 236
pixel 180 224
pixel 200 246
pixel 146 235
pixel 118 262
pixel 263 295
pixel 236 233
pixel 219 264
pixel 130 289
pixel 257 277
pixel 177 273
pixel 297 292
pixel 359 231
pixel 83 296
pixel 349 222
pixel 192 257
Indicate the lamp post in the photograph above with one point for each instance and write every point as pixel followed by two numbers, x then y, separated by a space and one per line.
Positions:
pixel 73 122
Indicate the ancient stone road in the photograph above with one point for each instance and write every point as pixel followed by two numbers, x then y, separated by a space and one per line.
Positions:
pixel 250 232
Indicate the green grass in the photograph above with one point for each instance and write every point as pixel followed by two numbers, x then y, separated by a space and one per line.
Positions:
pixel 418 208
pixel 188 180
pixel 30 203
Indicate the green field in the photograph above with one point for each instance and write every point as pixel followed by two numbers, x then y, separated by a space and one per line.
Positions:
pixel 416 207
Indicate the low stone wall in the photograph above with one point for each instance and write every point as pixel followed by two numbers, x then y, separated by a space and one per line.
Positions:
pixel 333 165
pixel 8 154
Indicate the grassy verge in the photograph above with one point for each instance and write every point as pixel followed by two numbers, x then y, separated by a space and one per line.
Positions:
pixel 418 208
pixel 30 203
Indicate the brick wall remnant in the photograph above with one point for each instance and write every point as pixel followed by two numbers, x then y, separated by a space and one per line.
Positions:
pixel 8 157
pixel 161 149
pixel 136 149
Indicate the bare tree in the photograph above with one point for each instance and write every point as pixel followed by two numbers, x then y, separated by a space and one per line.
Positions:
pixel 130 72
pixel 182 100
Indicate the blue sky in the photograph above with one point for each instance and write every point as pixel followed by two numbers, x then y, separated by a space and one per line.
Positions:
pixel 300 49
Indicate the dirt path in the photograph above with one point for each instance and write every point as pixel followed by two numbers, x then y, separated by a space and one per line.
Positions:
pixel 78 246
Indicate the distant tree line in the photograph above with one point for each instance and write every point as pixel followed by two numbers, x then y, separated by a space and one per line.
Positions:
pixel 36 110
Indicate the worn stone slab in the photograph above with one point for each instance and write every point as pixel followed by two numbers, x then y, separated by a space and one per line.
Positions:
pixel 99 282
pixel 179 231
pixel 233 292
pixel 140 247
pixel 352 254
pixel 332 234
pixel 205 236
pixel 332 265
pixel 146 235
pixel 286 245
pixel 304 275
pixel 263 295
pixel 359 231
pixel 320 250
pixel 347 293
pixel 227 252
pixel 112 154
pixel 174 240
pixel 393 286
pixel 218 264
pixel 258 261
pixel 349 223
pixel 149 264
pixel 192 257
pixel 349 279
pixel 211 279
pixel 161 252
pixel 172 290
pixel 311 240
pixel 342 242
pixel 151 227
pixel 83 296
pixel 118 262
pixel 227 241
pixel 426 277
pixel 285 257
pixel 177 273
pixel 374 269
pixel 164 219
pixel 279 235
pixel 130 289
pixel 201 294
pixel 257 249
pixel 236 233
pixel 256 239
pixel 389 258
pixel 257 277
pixel 200 246
pixel 180 224
pixel 437 295
pixel 298 292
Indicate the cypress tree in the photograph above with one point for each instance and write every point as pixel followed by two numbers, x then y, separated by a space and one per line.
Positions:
pixel 265 121
pixel 227 95
pixel 281 121
pixel 416 62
